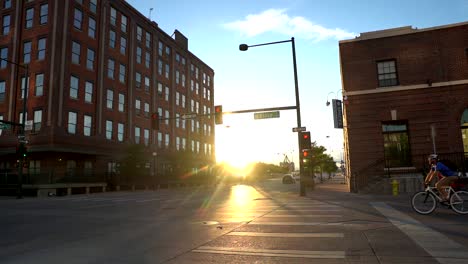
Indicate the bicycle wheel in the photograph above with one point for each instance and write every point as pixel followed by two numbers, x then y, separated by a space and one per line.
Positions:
pixel 459 202
pixel 423 202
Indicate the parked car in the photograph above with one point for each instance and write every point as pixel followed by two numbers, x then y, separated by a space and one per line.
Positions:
pixel 288 179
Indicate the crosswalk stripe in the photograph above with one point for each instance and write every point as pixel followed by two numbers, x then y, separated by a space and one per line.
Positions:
pixel 271 253
pixel 445 250
pixel 259 234
pixel 298 216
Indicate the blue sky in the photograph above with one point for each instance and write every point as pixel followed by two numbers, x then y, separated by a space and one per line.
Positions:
pixel 263 76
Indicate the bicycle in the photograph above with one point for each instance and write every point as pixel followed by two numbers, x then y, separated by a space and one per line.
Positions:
pixel 425 202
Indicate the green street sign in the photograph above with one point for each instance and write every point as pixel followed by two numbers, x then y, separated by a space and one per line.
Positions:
pixel 5 126
pixel 263 115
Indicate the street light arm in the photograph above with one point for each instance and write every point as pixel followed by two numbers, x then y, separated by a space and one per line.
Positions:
pixel 244 47
pixel 17 64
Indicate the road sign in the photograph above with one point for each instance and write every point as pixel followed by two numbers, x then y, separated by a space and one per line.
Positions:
pixel 188 116
pixel 5 126
pixel 299 129
pixel 29 125
pixel 263 115
pixel 337 113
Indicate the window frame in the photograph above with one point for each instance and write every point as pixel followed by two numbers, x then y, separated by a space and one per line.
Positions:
pixel 401 160
pixel 387 82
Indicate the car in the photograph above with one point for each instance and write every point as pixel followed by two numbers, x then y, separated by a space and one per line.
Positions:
pixel 288 179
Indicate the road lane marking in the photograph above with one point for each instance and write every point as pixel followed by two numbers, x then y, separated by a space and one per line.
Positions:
pixel 258 234
pixel 271 253
pixel 442 248
pixel 286 223
pixel 148 200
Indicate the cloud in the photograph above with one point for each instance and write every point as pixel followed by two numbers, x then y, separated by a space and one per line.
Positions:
pixel 277 21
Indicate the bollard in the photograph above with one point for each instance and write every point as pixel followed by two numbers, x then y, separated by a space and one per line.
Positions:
pixel 395 187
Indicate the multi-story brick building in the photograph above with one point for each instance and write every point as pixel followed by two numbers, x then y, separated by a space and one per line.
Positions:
pixel 98 70
pixel 406 97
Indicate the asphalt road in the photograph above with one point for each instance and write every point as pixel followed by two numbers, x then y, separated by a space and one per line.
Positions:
pixel 266 222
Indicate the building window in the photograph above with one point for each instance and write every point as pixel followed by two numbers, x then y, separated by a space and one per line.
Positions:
pixel 138 80
pixel 166 73
pixel 72 122
pixel 74 87
pixel 110 99
pixel 396 144
pixel 92 28
pixel 147 84
pixel 113 16
pixel 34 167
pixel 159 139
pixel 93 6
pixel 41 48
pixel 160 67
pixel 464 128
pixel 160 90
pixel 183 79
pixel 387 73
pixel 183 101
pixel 120 132
pixel 148 40
pixel 139 33
pixel 177 98
pixel 29 17
pixel 147 59
pixel 88 92
pixel 6 24
pixel 177 77
pixel 168 51
pixel 44 14
pixel 167 141
pixel 2 91
pixel 146 136
pixel 76 52
pixel 21 117
pixel 138 55
pixel 90 60
pixel 112 39
pixel 78 19
pixel 123 25
pixel 146 109
pixel 110 68
pixel 87 124
pixel 39 90
pixel 166 95
pixel 123 45
pixel 122 73
pixel 167 117
pixel 121 102
pixel 137 106
pixel 27 52
pixel 108 129
pixel 3 55
pixel 7 4
pixel 137 135
pixel 160 48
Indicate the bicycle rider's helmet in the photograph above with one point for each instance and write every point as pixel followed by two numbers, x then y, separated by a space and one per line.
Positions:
pixel 433 156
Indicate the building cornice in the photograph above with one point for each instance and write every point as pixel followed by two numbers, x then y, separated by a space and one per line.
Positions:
pixel 397 32
pixel 406 87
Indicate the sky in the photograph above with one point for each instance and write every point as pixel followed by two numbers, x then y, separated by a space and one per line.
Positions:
pixel 262 77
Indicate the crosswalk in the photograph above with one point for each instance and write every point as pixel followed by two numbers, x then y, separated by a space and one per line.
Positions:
pixel 276 223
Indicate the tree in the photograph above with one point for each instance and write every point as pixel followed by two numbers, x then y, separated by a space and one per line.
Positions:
pixel 321 161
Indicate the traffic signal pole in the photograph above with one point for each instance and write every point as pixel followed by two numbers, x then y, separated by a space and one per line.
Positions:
pixel 22 138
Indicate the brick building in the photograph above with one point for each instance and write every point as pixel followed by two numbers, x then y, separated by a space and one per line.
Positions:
pixel 98 70
pixel 406 96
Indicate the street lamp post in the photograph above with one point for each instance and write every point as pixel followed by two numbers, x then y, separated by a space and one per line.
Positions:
pixel 21 136
pixel 244 47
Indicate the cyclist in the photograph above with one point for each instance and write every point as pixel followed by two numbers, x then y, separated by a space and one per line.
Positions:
pixel 446 176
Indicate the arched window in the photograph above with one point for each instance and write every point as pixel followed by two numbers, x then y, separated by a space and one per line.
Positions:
pixel 464 129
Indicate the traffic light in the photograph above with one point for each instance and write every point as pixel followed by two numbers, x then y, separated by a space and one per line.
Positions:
pixel 305 140
pixel 22 151
pixel 218 114
pixel 155 121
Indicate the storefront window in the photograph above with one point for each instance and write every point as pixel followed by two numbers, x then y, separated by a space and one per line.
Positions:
pixel 396 144
pixel 464 130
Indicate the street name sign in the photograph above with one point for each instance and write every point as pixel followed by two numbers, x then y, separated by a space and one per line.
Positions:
pixel 188 116
pixel 5 126
pixel 299 129
pixel 264 115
